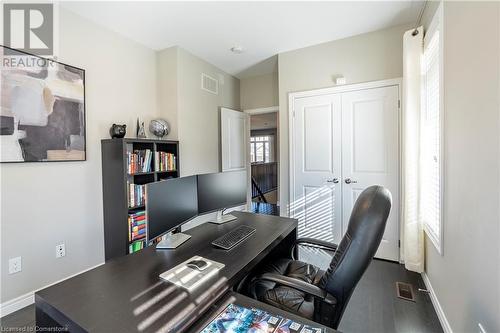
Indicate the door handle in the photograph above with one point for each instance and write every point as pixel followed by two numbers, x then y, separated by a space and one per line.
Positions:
pixel 350 181
pixel 334 180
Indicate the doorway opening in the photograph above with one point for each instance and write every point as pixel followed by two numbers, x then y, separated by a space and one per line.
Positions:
pixel 264 157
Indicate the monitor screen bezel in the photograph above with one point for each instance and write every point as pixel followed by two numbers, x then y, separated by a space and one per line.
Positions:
pixel 224 208
pixel 148 239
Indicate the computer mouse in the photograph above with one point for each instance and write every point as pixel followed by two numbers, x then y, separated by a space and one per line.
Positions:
pixel 197 264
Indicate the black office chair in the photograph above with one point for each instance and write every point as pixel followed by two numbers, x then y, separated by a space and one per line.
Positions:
pixel 307 291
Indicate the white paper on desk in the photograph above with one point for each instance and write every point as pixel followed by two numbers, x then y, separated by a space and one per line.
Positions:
pixel 190 278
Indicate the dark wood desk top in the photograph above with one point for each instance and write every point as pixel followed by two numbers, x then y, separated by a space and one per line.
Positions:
pixel 126 294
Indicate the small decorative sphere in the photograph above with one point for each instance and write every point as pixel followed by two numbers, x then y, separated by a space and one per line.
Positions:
pixel 159 127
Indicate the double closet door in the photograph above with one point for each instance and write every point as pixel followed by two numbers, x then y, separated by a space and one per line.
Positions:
pixel 342 143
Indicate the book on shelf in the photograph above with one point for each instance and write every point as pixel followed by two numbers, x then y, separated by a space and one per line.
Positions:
pixel 139 161
pixel 136 225
pixel 136 195
pixel 165 161
pixel 136 246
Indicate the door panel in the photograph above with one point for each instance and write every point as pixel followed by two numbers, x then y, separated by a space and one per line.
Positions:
pixel 318 134
pixel 234 143
pixel 315 200
pixel 370 154
pixel 233 139
pixel 368 148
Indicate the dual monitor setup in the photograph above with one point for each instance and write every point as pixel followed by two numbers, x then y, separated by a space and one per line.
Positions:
pixel 173 202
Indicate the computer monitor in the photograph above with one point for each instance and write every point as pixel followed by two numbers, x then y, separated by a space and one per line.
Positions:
pixel 217 191
pixel 169 204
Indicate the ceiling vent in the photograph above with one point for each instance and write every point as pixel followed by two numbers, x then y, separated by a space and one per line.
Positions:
pixel 209 84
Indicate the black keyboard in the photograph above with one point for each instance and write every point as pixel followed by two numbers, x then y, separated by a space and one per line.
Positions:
pixel 234 237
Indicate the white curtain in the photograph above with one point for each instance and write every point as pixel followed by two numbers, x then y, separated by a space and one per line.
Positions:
pixel 413 234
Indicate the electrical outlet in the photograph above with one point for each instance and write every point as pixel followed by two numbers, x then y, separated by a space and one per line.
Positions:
pixel 15 265
pixel 60 250
pixel 481 328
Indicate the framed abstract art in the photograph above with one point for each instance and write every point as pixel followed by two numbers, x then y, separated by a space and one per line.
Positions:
pixel 42 109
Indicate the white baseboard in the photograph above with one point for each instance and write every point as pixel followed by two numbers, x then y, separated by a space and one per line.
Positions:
pixel 29 298
pixel 437 306
pixel 17 303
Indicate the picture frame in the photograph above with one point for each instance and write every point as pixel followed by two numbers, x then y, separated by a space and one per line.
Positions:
pixel 42 109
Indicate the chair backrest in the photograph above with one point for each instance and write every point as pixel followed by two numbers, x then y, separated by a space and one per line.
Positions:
pixel 357 248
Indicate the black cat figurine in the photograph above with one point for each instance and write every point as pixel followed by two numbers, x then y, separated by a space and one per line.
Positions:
pixel 117 131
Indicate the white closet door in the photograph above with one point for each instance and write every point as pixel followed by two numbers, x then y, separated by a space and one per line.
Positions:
pixel 370 154
pixel 315 200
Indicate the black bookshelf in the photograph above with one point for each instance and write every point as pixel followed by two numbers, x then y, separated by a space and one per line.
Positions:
pixel 115 185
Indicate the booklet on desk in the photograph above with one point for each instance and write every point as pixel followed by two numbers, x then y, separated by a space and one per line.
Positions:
pixel 190 278
pixel 238 319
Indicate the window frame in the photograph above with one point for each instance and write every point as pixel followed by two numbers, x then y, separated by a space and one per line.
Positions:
pixel 436 25
pixel 253 148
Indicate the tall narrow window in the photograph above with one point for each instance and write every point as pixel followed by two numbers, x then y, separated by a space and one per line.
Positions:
pixel 431 135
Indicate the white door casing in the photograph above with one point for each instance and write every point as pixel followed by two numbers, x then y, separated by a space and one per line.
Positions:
pixel 370 154
pixel 315 201
pixel 365 142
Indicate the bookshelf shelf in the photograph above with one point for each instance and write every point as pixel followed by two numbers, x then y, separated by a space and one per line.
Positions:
pixel 141 173
pixel 137 207
pixel 127 165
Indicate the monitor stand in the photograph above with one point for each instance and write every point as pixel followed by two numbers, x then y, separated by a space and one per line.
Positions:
pixel 172 241
pixel 223 218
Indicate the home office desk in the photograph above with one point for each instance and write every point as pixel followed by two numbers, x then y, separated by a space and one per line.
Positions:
pixel 126 294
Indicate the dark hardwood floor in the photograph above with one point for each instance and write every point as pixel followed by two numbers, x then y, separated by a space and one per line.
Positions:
pixel 373 307
pixel 265 208
pixel 20 321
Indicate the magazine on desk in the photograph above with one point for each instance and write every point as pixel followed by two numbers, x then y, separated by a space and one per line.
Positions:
pixel 238 319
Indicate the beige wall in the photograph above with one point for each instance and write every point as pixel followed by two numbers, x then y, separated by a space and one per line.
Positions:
pixel 198 113
pixel 193 113
pixel 45 204
pixel 259 91
pixel 466 279
pixel 166 80
pixel 368 57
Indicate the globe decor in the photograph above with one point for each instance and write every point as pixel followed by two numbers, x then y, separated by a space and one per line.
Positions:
pixel 159 128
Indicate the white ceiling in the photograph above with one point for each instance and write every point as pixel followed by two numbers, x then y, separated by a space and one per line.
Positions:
pixel 263 29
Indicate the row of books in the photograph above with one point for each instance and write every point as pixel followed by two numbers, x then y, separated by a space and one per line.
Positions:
pixel 139 161
pixel 165 161
pixel 136 246
pixel 237 318
pixel 136 195
pixel 136 225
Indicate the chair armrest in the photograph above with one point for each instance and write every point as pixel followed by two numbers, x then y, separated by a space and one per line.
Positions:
pixel 299 285
pixel 312 242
